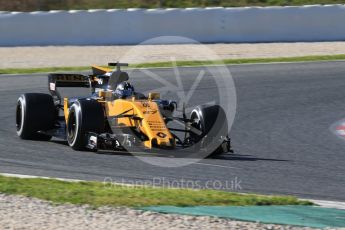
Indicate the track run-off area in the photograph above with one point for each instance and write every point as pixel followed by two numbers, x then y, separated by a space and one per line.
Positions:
pixel 283 135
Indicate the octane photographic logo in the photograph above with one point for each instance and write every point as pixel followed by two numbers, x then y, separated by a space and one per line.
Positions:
pixel 188 87
pixel 232 184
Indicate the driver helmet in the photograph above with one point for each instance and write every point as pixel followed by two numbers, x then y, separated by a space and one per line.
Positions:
pixel 124 90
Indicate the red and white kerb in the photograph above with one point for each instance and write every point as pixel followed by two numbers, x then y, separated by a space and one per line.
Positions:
pixel 340 129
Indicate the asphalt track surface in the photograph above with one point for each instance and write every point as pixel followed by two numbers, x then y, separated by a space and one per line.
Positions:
pixel 281 135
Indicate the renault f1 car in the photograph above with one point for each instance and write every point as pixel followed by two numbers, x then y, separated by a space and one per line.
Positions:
pixel 115 117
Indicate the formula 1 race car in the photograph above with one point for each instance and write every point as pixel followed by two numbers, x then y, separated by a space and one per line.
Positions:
pixel 115 117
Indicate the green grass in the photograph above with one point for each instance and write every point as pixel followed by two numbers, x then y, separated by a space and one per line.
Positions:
pixel 97 194
pixel 32 5
pixel 181 63
pixel 42 70
pixel 244 61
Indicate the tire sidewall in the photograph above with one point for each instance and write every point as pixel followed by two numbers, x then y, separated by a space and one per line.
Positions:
pixel 89 117
pixel 22 102
pixel 75 110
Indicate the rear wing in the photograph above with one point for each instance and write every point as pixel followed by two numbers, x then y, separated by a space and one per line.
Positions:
pixel 66 80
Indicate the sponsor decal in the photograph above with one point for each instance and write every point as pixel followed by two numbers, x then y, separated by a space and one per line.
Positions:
pixel 145 104
pixel 71 78
pixel 161 135
pixel 150 112
pixel 52 86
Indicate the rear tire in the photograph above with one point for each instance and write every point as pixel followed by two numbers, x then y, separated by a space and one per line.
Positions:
pixel 35 112
pixel 85 116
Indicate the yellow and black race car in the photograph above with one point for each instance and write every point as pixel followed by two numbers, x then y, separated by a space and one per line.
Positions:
pixel 115 117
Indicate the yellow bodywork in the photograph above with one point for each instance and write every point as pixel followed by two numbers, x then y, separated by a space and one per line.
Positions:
pixel 151 122
pixel 100 70
pixel 65 108
pixel 146 118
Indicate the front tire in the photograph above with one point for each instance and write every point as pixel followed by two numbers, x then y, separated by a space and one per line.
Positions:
pixel 85 116
pixel 212 122
pixel 35 112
